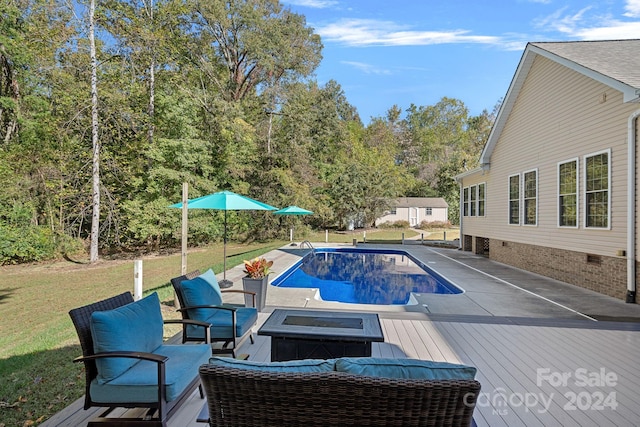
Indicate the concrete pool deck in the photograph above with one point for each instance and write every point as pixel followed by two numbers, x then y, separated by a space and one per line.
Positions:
pixel 491 289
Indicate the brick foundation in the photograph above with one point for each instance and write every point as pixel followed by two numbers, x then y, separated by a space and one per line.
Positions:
pixel 606 275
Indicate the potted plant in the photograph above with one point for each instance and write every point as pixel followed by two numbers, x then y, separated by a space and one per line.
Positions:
pixel 257 277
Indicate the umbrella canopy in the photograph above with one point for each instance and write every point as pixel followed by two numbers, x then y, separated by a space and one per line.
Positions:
pixel 225 201
pixel 293 210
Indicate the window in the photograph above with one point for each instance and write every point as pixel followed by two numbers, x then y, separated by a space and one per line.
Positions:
pixel 514 199
pixel 568 194
pixel 428 211
pixel 472 200
pixel 530 196
pixel 465 201
pixel 597 178
pixel 481 198
pixel 393 211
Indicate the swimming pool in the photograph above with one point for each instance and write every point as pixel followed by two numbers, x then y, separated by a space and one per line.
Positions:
pixel 364 276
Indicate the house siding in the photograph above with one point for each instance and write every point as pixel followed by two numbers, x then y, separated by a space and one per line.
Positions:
pixel 415 215
pixel 559 115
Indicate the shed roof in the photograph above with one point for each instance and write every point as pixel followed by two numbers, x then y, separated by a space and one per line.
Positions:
pixel 421 202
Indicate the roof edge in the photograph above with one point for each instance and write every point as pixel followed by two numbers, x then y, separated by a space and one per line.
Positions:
pixel 630 94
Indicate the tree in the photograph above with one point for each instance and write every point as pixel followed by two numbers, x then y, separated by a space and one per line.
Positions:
pixel 241 44
pixel 11 37
pixel 95 217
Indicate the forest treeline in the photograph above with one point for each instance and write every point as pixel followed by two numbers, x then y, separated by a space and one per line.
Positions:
pixel 218 94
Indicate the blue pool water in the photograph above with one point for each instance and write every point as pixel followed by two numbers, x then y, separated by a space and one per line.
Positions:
pixel 364 276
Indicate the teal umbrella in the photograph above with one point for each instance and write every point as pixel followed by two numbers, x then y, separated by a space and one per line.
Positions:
pixel 225 201
pixel 293 210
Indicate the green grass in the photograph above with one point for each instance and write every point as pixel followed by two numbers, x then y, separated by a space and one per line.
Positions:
pixel 38 341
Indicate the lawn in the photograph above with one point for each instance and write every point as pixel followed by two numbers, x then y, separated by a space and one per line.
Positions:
pixel 38 341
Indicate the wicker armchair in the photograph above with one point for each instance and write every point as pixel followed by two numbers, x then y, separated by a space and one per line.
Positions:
pixel 162 406
pixel 241 397
pixel 229 329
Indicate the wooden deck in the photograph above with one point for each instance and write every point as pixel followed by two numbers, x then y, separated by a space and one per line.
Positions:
pixel 552 373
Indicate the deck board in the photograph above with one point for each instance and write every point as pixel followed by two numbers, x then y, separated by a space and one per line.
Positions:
pixel 507 357
pixel 522 350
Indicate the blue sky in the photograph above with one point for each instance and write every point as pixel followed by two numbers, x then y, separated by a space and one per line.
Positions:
pixel 386 52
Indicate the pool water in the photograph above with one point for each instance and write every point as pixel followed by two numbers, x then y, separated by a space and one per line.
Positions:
pixel 364 276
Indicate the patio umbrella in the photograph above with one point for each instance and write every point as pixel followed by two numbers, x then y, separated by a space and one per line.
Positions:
pixel 293 210
pixel 225 201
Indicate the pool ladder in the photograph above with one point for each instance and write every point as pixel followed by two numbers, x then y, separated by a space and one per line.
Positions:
pixel 307 243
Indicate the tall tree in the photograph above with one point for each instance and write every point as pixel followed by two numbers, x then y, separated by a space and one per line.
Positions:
pixel 95 137
pixel 241 44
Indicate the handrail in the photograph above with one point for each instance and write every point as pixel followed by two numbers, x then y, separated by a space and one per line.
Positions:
pixel 308 243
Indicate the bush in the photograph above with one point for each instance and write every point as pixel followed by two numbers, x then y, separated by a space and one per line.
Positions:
pixel 386 224
pixel 431 225
pixel 401 224
pixel 25 244
pixel 396 224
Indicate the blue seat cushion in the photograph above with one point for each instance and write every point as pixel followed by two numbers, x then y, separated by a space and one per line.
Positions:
pixel 297 366
pixel 137 326
pixel 405 368
pixel 220 321
pixel 140 382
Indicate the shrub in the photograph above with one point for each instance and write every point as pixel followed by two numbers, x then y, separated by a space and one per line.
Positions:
pixel 430 225
pixel 401 224
pixel 25 244
pixel 386 224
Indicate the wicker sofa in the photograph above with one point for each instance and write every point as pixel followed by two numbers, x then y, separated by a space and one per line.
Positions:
pixel 326 393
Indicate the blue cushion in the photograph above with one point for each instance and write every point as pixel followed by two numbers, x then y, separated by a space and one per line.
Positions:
pixel 304 366
pixel 220 321
pixel 405 368
pixel 210 277
pixel 139 384
pixel 137 326
pixel 199 291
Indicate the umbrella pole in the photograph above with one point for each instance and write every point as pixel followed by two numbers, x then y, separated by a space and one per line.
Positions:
pixel 225 283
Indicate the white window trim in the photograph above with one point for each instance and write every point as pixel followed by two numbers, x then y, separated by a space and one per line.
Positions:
pixel 522 203
pixel 465 212
pixel 519 199
pixel 584 189
pixel 578 210
pixel 473 201
pixel 478 199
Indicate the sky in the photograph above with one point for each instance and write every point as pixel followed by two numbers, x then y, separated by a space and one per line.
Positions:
pixel 402 52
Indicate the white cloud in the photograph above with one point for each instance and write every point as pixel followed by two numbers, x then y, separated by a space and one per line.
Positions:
pixel 558 21
pixel 367 32
pixel 580 25
pixel 317 4
pixel 367 68
pixel 613 30
pixel 633 8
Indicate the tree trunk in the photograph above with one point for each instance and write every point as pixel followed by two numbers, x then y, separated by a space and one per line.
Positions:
pixel 95 218
pixel 152 79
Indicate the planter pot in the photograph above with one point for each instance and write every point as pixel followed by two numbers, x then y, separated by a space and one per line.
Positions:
pixel 259 286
